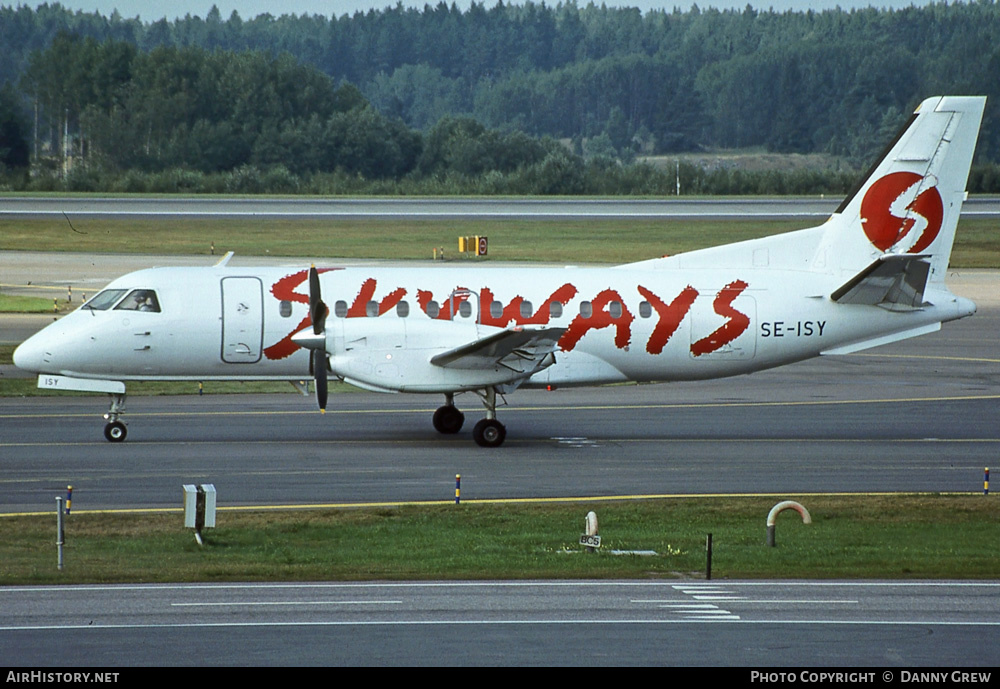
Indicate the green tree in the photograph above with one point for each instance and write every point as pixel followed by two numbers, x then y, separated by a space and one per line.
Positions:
pixel 13 131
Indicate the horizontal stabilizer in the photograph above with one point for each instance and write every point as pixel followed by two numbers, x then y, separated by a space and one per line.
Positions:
pixel 521 350
pixel 893 281
pixel 883 340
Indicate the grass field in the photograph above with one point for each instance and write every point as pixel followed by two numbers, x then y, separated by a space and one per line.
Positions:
pixel 518 240
pixel 604 240
pixel 868 537
pixel 18 304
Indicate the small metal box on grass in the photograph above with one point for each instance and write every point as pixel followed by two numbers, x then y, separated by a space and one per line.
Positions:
pixel 199 508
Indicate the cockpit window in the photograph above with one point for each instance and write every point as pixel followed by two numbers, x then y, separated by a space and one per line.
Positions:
pixel 103 301
pixel 140 300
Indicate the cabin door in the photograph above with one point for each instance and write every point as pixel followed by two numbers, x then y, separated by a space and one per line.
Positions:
pixel 242 320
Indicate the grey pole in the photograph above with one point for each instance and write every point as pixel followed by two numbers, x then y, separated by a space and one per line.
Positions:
pixel 60 531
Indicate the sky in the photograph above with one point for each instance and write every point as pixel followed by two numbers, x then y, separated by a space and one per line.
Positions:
pixel 152 10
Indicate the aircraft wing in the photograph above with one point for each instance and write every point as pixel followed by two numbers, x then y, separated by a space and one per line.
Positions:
pixel 524 350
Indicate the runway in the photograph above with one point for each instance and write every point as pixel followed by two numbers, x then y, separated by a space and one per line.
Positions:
pixel 435 208
pixel 429 208
pixel 881 629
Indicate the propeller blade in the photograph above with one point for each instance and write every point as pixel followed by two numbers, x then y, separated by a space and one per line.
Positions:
pixel 317 309
pixel 313 284
pixel 319 317
pixel 318 361
pixel 317 357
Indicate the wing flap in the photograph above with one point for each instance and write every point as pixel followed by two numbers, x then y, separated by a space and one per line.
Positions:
pixel 522 350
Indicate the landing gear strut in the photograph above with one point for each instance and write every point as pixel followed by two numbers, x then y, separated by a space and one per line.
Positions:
pixel 448 419
pixel 115 430
pixel 489 432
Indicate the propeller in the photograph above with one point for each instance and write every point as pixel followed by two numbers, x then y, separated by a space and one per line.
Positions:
pixel 317 313
pixel 316 341
pixel 319 372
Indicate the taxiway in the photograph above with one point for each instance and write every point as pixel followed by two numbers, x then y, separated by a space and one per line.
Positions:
pixel 920 415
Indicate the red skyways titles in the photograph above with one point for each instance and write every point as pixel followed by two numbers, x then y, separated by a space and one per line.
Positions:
pixel 735 325
pixel 284 290
pixel 607 309
pixel 670 316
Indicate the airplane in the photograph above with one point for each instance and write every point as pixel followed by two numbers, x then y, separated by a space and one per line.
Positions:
pixel 873 273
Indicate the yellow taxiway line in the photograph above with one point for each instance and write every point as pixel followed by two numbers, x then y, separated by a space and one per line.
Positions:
pixel 489 501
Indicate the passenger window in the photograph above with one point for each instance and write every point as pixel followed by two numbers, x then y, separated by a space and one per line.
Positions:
pixel 496 309
pixel 645 309
pixel 371 309
pixel 586 309
pixel 140 300
pixel 465 309
pixel 285 308
pixel 615 309
pixel 525 309
pixel 103 300
pixel 340 308
pixel 555 310
pixel 433 309
pixel 403 309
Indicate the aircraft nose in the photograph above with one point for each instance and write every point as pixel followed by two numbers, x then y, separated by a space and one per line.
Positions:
pixel 31 355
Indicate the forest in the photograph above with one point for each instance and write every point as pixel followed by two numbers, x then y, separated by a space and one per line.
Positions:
pixel 521 98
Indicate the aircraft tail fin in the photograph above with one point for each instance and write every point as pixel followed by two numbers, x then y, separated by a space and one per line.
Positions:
pixel 910 201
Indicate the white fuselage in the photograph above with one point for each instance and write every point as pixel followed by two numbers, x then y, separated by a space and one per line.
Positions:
pixel 385 324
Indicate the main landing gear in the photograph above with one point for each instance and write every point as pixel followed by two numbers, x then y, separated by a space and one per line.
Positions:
pixel 115 430
pixel 448 419
pixel 488 432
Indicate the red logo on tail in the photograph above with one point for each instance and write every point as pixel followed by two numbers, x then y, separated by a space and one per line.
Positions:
pixel 902 212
